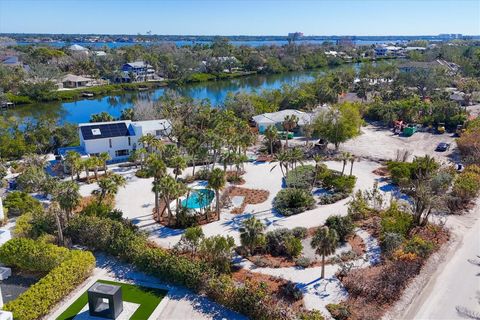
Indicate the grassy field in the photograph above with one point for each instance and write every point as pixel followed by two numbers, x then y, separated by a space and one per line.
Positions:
pixel 147 298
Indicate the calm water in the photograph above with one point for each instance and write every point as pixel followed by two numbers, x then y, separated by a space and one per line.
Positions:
pixel 181 43
pixel 216 91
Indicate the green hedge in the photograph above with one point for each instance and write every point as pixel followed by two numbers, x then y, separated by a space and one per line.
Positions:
pixel 31 255
pixel 292 201
pixel 39 299
pixel 124 242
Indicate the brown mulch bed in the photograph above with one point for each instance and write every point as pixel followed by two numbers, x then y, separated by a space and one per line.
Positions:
pixel 269 261
pixel 382 172
pixel 252 196
pixel 273 284
pixel 232 174
pixel 265 158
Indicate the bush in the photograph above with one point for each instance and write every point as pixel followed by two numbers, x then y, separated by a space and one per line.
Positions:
pixel 293 246
pixel 339 183
pixel 291 291
pixel 419 246
pixel 38 300
pixel 142 173
pixel 400 172
pixel 34 224
pixel 395 220
pixel 342 225
pixel 19 202
pixel 303 262
pixel 338 311
pixel 332 198
pixel 299 232
pixel 203 174
pixel 466 185
pixel 301 177
pixel 31 255
pixel 293 201
pixel 390 242
pixel 66 269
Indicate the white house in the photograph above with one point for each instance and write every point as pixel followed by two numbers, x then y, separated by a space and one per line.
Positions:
pixel 118 138
pixel 263 121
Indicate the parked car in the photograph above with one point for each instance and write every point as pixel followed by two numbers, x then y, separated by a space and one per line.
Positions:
pixel 442 146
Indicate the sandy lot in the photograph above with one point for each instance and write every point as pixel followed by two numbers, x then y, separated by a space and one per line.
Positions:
pixel 380 143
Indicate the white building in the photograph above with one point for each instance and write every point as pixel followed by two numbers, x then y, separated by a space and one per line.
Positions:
pixel 117 138
pixel 265 120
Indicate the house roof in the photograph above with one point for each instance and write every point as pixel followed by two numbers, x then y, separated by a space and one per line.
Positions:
pixel 75 78
pixel 153 125
pixel 139 64
pixel 102 130
pixel 76 47
pixel 11 60
pixel 278 117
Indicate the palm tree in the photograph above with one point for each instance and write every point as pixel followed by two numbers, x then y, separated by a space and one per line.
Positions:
pixel 216 181
pixel 318 162
pixel 295 155
pixel 104 158
pixel 170 190
pixel 109 185
pixel 324 242
pixel 179 164
pixel 289 123
pixel 72 158
pixel 271 134
pixel 283 159
pixel 352 160
pixel 345 157
pixel 127 114
pixel 95 162
pixel 68 197
pixel 87 164
pixel 251 234
pixel 157 169
pixel 147 141
pixel 54 210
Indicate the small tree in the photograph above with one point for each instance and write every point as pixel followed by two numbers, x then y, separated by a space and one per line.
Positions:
pixel 108 185
pixel 324 242
pixel 68 197
pixel 218 252
pixel 251 234
pixel 191 239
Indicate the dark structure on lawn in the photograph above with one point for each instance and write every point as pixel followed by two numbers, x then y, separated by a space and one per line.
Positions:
pixel 105 300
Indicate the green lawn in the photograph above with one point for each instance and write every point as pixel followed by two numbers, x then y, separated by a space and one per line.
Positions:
pixel 147 298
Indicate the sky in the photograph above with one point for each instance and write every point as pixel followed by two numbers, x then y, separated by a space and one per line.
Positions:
pixel 242 17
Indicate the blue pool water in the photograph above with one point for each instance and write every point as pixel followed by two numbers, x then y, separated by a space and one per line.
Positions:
pixel 198 199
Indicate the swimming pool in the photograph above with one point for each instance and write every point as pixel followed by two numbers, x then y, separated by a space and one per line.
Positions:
pixel 198 199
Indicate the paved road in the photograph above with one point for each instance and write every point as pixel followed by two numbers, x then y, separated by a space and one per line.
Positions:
pixel 457 281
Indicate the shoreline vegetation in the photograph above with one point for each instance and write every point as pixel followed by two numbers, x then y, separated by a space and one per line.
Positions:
pixel 120 88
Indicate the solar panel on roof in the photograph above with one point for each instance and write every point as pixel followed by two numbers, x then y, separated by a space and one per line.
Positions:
pixel 109 130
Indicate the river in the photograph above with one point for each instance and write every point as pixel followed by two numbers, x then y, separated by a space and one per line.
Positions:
pixel 216 91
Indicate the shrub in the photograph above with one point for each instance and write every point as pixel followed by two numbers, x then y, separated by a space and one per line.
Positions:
pixel 31 179
pixel 303 262
pixel 293 201
pixel 142 173
pixel 395 220
pixel 301 177
pixel 419 246
pixel 342 225
pixel 390 242
pixel 400 172
pixel 34 224
pixel 299 232
pixel 185 219
pixel 32 255
pixel 19 202
pixel 338 311
pixel 38 300
pixel 291 291
pixel 276 241
pixel 311 315
pixel 340 183
pixel 466 185
pixel 293 246
pixel 332 198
